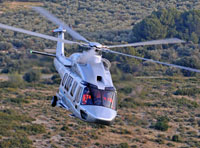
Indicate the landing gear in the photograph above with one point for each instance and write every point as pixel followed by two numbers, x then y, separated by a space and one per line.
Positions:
pixel 54 101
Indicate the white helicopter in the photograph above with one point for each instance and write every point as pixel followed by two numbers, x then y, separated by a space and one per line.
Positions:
pixel 86 87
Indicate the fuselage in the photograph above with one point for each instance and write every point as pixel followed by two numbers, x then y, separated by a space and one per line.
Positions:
pixel 86 88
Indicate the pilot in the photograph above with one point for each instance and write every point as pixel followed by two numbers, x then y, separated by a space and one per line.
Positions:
pixel 97 99
pixel 87 100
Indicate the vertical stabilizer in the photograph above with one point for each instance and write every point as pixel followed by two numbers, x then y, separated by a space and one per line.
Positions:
pixel 60 45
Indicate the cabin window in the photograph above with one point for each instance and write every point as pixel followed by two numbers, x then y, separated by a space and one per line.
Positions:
pixel 65 77
pixel 78 94
pixel 73 88
pixel 94 96
pixel 69 83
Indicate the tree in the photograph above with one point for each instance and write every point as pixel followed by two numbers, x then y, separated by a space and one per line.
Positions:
pixel 169 23
pixel 194 38
pixel 149 29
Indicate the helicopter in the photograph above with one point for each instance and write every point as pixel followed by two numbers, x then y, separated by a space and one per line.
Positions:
pixel 86 88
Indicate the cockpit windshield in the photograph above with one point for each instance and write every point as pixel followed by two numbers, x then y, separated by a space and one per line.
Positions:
pixel 94 96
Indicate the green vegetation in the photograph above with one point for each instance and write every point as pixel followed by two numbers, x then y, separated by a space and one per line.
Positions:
pixel 14 81
pixel 95 25
pixel 32 76
pixel 187 91
pixel 176 138
pixel 145 90
pixel 5 46
pixel 33 129
pixel 167 23
pixel 17 141
pixel 123 145
pixel 162 123
pixel 185 102
pixel 126 90
pixel 10 123
pixel 17 100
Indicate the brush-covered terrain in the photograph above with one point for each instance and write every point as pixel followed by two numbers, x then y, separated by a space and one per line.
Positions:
pixel 158 106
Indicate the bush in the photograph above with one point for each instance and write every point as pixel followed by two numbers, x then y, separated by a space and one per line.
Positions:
pixel 188 92
pixel 123 145
pixel 32 76
pixel 176 138
pixel 126 90
pixel 16 142
pixel 160 141
pixel 33 129
pixel 14 81
pixel 130 103
pixel 162 124
pixel 56 78
pixel 5 46
pixel 183 102
pixel 17 100
pixel 65 128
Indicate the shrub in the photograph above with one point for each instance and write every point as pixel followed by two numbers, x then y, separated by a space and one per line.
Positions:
pixel 126 90
pixel 187 91
pixel 176 138
pixel 55 78
pixel 170 145
pixel 33 129
pixel 16 142
pixel 185 102
pixel 198 122
pixel 32 76
pixel 160 141
pixel 162 124
pixel 15 80
pixel 17 100
pixel 5 46
pixel 123 145
pixel 65 128
pixel 130 103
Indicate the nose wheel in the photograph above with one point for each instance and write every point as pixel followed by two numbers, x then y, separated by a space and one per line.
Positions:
pixel 54 101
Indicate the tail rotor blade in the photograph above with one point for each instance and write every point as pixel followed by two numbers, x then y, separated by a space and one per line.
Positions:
pixel 58 22
pixel 153 61
pixel 153 42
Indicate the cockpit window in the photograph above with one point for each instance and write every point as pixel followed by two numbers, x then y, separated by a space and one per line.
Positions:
pixel 94 96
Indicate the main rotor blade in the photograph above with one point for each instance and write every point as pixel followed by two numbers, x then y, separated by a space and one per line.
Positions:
pixel 153 42
pixel 37 34
pixel 58 22
pixel 150 60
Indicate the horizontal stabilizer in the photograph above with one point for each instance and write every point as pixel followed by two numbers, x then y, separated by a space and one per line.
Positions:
pixel 42 53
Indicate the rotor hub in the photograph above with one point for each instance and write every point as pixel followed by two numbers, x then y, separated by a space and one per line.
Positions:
pixel 95 45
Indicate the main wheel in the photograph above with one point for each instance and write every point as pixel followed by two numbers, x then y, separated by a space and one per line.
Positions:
pixel 54 101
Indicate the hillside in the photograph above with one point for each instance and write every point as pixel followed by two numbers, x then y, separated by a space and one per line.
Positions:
pixel 157 106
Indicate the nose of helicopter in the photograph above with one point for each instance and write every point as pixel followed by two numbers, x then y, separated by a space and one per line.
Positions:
pixel 99 114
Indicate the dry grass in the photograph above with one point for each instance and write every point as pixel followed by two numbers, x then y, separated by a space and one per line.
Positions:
pixel 6 6
pixel 133 126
